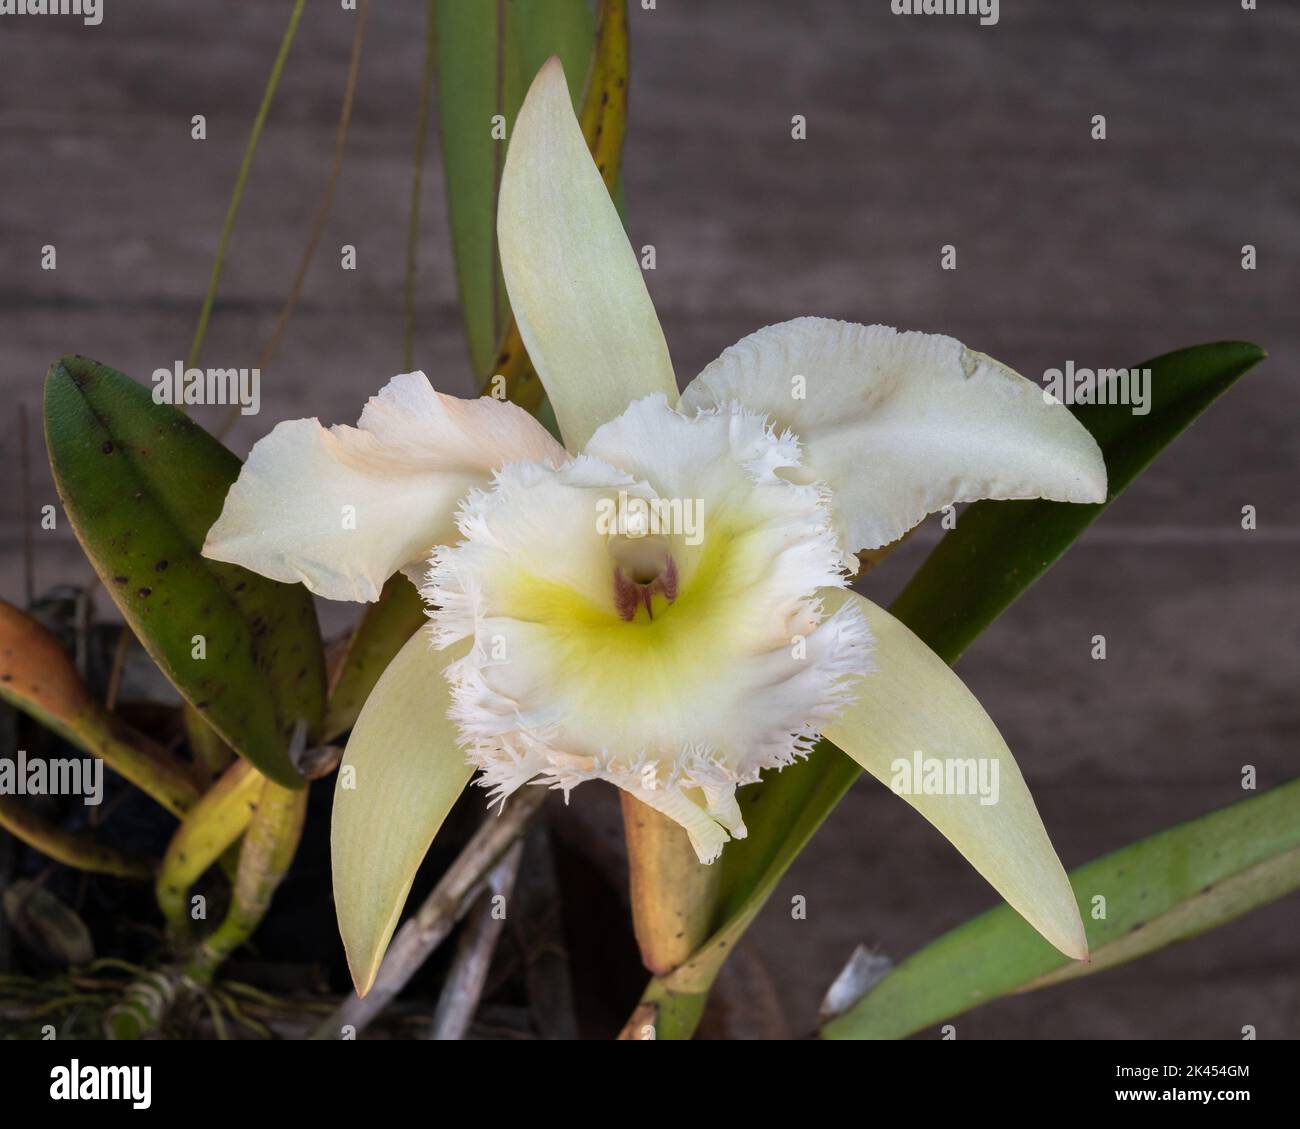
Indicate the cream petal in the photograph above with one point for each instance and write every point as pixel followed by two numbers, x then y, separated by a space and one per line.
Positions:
pixel 912 703
pixel 401 773
pixel 902 424
pixel 343 508
pixel 574 282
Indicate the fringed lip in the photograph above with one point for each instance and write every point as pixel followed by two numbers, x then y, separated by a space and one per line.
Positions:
pixel 736 681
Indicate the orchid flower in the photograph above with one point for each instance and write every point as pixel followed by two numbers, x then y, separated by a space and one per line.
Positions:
pixel 661 603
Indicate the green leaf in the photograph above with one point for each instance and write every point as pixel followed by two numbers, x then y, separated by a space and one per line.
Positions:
pixel 997 551
pixel 141 484
pixel 486 55
pixel 1168 888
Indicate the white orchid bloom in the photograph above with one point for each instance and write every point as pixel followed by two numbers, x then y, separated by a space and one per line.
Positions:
pixel 666 607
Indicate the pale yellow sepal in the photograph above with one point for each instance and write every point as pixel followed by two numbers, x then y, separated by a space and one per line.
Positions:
pixel 574 282
pixel 401 773
pixel 913 701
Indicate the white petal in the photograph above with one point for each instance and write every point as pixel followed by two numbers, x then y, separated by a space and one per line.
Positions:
pixel 902 424
pixel 735 674
pixel 401 773
pixel 343 508
pixel 574 282
pixel 912 703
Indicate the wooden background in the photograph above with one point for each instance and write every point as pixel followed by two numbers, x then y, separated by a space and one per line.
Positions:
pixel 921 132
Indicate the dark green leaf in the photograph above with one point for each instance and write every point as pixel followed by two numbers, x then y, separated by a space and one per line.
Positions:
pixel 141 484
